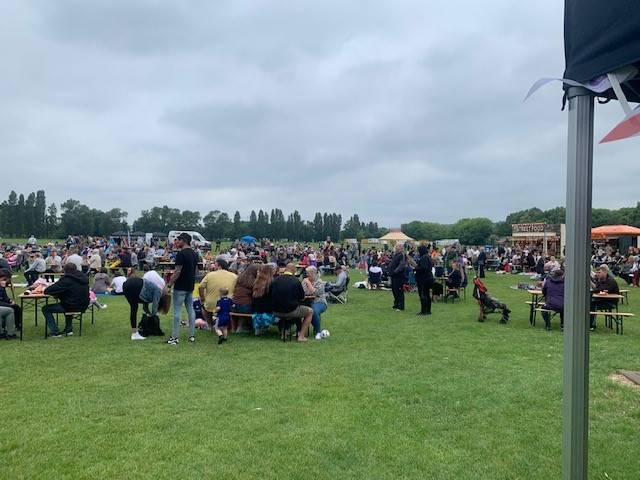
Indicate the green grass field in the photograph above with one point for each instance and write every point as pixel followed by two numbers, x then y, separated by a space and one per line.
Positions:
pixel 388 396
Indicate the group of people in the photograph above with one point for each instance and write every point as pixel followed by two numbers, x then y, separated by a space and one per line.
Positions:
pixel 602 281
pixel 237 283
pixel 407 267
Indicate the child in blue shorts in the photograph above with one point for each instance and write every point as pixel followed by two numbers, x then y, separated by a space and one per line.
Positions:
pixel 223 315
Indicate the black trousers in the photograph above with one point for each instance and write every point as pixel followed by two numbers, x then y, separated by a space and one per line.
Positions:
pixel 481 269
pixel 31 276
pixel 424 292
pixel 131 290
pixel 397 282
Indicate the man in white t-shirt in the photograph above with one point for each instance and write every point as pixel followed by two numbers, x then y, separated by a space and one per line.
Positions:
pixel 116 285
pixel 153 277
pixel 75 259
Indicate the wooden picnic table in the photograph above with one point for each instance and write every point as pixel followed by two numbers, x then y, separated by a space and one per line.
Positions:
pixel 533 304
pixel 28 300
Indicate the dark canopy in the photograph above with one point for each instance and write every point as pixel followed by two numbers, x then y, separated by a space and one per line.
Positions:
pixel 600 37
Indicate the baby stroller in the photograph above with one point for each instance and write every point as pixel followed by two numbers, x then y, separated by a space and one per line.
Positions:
pixel 487 303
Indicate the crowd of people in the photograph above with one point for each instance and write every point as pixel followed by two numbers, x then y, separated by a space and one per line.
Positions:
pixel 243 287
pixel 251 286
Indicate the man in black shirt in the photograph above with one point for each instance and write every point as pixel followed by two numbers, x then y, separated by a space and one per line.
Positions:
pixel 397 271
pixel 482 261
pixel 424 280
pixel 287 296
pixel 183 280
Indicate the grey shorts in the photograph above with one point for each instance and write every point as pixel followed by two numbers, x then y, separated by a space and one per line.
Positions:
pixel 301 311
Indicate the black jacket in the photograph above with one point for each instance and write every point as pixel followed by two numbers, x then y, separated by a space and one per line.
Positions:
pixel 5 301
pixel 424 269
pixel 72 291
pixel 286 293
pixel 455 279
pixel 397 266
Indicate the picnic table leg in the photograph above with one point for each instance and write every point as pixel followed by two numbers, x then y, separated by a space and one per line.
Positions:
pixel 531 310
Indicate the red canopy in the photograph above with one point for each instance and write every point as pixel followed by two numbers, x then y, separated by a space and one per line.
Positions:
pixel 614 231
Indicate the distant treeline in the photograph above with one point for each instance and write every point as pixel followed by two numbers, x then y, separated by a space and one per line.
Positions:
pixel 478 231
pixel 21 216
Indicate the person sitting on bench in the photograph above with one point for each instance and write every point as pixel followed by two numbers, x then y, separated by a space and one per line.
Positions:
pixel 454 281
pixel 72 292
pixel 287 296
pixel 10 313
pixel 340 284
pixel 553 291
pixel 604 283
pixel 37 267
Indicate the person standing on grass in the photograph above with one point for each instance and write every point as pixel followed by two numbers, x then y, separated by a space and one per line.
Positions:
pixel 396 271
pixel 424 279
pixel 183 280
pixel 482 260
pixel 223 315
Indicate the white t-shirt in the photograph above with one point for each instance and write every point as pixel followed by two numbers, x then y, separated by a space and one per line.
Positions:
pixel 155 278
pixel 117 283
pixel 76 260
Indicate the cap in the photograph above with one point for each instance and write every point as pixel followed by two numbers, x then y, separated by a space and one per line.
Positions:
pixel 185 237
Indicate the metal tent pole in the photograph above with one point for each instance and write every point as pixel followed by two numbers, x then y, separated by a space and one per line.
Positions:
pixel 577 291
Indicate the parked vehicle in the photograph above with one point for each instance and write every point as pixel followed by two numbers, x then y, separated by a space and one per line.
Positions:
pixel 197 240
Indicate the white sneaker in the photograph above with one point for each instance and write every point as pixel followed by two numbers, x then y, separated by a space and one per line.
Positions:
pixel 137 336
pixel 318 336
pixel 103 307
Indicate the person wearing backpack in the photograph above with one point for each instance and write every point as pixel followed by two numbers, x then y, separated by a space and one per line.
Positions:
pixel 396 271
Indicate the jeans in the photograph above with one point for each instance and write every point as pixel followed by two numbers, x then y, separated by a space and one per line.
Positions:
pixel 318 309
pixel 49 310
pixel 7 319
pixel 181 297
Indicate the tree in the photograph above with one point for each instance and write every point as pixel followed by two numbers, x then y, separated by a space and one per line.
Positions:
pixel 189 220
pixel 473 231
pixel 318 227
pixel 253 222
pixel 51 220
pixel 211 230
pixel 30 214
pixel 262 225
pixel 40 214
pixel 237 225
pixel 353 228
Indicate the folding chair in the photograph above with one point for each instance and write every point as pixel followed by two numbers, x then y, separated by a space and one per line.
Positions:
pixel 341 297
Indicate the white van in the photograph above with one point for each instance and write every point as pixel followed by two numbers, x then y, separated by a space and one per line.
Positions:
pixel 197 240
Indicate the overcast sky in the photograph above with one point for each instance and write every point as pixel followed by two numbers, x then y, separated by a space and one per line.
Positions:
pixel 396 110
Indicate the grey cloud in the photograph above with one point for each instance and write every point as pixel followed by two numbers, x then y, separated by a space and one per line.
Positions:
pixel 394 110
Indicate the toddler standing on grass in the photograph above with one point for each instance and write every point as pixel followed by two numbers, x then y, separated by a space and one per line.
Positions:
pixel 223 315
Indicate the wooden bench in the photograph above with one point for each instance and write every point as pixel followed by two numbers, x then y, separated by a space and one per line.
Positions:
pixel 73 315
pixel 452 293
pixel 533 306
pixel 552 312
pixel 610 317
pixel 625 294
